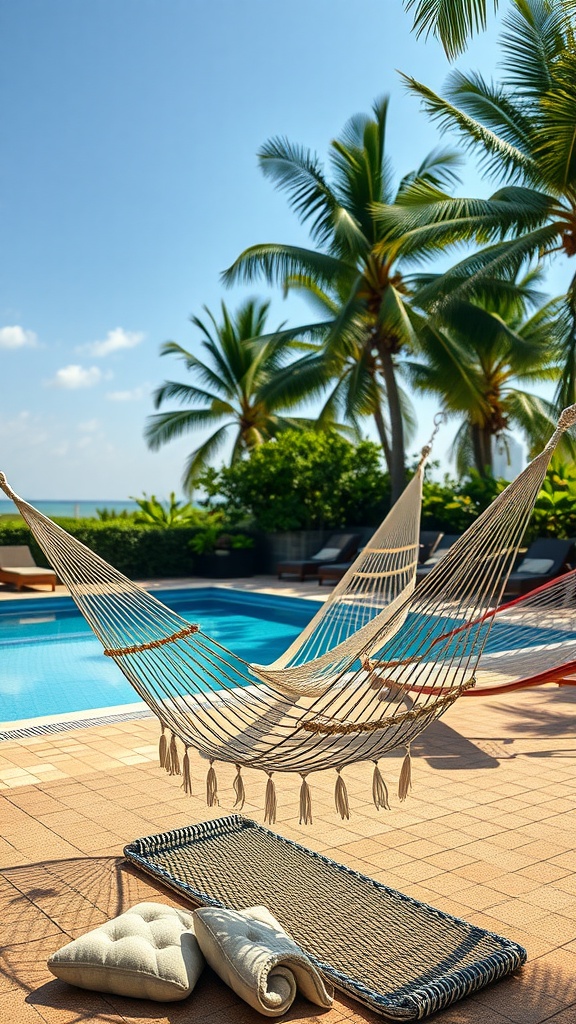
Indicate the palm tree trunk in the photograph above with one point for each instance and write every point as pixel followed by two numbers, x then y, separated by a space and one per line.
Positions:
pixel 482 448
pixel 566 392
pixel 396 465
pixel 382 434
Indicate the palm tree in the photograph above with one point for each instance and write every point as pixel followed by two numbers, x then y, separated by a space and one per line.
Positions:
pixel 481 360
pixel 452 21
pixel 229 393
pixel 370 316
pixel 347 380
pixel 525 132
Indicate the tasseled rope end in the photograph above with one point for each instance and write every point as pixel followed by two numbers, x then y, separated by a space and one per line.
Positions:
pixel 239 789
pixel 163 747
pixel 173 761
pixel 187 781
pixel 270 802
pixel 305 803
pixel 212 787
pixel 405 780
pixel 379 790
pixel 341 797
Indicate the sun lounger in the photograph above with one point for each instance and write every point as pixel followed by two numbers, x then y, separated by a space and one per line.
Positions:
pixel 394 954
pixel 436 555
pixel 17 566
pixel 545 559
pixel 338 548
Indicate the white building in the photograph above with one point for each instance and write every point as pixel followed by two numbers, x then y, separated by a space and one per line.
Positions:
pixel 509 456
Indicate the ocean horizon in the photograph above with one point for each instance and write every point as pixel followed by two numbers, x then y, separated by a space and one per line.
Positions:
pixel 72 509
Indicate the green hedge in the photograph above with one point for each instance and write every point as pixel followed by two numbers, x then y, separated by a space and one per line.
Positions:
pixel 137 551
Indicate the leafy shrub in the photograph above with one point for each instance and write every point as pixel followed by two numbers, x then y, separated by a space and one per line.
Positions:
pixel 212 537
pixel 555 509
pixel 453 505
pixel 135 550
pixel 164 515
pixel 303 480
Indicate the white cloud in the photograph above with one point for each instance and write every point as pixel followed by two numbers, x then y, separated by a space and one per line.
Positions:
pixel 114 341
pixel 132 395
pixel 16 337
pixel 75 376
pixel 89 426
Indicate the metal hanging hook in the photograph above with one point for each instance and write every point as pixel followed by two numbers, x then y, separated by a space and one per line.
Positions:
pixel 439 419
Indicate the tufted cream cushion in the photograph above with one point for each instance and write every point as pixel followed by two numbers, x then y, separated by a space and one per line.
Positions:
pixel 253 954
pixel 149 952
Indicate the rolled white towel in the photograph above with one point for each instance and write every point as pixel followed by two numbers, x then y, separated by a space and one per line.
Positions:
pixel 253 954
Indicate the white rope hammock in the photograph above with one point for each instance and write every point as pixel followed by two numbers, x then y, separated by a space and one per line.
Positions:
pixel 354 704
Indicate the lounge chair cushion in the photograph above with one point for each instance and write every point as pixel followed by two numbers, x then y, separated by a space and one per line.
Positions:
pixel 326 554
pixel 536 566
pixel 149 952
pixel 253 954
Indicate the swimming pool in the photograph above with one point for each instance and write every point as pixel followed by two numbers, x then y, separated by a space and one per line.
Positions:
pixel 52 664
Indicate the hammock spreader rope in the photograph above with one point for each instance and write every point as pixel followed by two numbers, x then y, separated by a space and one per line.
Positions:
pixel 232 711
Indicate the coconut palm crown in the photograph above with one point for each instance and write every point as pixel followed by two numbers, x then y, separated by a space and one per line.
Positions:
pixel 483 362
pixel 353 265
pixel 524 131
pixel 229 392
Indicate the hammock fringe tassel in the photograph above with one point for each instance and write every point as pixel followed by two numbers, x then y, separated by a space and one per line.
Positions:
pixel 305 803
pixel 163 747
pixel 187 782
pixel 270 802
pixel 212 787
pixel 239 790
pixel 379 790
pixel 405 780
pixel 173 766
pixel 341 796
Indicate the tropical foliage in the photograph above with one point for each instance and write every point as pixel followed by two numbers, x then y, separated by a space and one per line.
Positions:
pixel 480 362
pixel 229 392
pixel 356 270
pixel 524 131
pixel 164 515
pixel 303 480
pixel 452 21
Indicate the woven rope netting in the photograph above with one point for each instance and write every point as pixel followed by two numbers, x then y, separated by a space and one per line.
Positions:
pixel 378 582
pixel 532 640
pixel 376 695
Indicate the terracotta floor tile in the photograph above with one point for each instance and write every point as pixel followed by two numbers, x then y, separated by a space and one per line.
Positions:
pixel 497 832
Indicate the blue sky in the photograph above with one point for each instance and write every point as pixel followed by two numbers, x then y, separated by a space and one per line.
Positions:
pixel 129 181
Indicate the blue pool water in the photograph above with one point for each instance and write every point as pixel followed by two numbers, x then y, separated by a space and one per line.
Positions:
pixel 51 663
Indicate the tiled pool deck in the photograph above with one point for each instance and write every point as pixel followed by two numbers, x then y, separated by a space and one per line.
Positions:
pixel 489 834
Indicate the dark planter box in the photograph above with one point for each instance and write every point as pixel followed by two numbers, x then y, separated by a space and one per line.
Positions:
pixel 226 565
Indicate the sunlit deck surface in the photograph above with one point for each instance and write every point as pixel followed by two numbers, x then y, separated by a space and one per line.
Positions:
pixel 488 834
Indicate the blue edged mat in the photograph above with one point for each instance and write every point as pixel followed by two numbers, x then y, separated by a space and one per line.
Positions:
pixel 396 955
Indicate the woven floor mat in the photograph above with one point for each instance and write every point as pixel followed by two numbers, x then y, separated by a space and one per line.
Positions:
pixel 400 957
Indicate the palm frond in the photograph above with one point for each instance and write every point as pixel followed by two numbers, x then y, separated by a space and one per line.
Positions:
pixel 438 169
pixel 498 156
pixel 494 107
pixel 555 146
pixel 393 318
pixel 275 263
pixel 502 260
pixel 168 426
pixel 183 393
pixel 295 170
pixel 198 459
pixel 451 21
pixel 531 42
